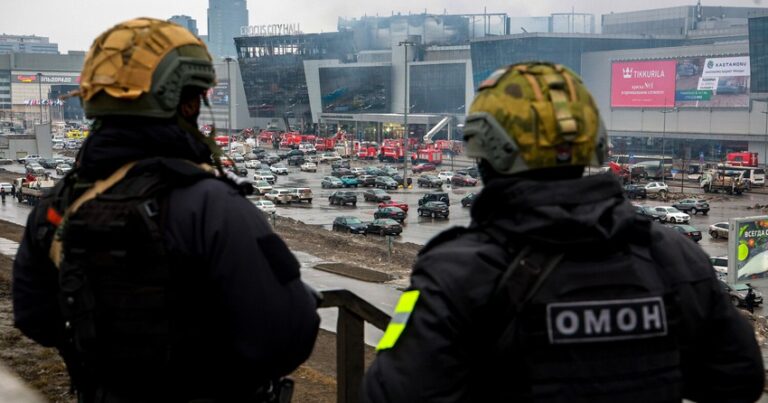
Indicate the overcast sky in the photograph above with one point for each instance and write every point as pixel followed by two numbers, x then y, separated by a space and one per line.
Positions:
pixel 73 24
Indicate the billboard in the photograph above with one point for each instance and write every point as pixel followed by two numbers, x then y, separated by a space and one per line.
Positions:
pixel 219 95
pixel 45 78
pixel 748 249
pixel 646 84
pixel 713 82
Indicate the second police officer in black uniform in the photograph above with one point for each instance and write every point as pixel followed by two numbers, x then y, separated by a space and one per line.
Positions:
pixel 154 277
pixel 558 291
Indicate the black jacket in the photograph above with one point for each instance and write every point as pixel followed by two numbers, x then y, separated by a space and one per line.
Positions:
pixel 249 319
pixel 442 355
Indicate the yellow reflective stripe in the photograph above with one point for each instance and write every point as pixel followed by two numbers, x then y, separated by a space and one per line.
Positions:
pixel 396 326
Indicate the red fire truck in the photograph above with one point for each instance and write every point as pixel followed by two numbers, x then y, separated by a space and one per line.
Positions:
pixel 367 150
pixel 742 159
pixel 428 153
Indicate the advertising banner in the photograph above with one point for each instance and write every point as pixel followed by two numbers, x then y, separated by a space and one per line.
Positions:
pixel 719 82
pixel 45 78
pixel 748 249
pixel 219 95
pixel 648 84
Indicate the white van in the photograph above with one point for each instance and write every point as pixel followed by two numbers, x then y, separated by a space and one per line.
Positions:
pixel 302 194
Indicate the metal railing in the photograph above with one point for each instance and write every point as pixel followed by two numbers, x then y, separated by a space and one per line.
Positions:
pixel 350 342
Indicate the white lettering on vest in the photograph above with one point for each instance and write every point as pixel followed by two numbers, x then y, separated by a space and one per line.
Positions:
pixel 651 317
pixel 571 327
pixel 626 319
pixel 597 324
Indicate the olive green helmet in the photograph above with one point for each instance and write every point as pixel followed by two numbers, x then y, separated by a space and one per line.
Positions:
pixel 139 67
pixel 534 115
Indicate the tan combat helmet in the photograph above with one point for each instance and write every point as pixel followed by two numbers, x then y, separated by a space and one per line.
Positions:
pixel 534 115
pixel 139 67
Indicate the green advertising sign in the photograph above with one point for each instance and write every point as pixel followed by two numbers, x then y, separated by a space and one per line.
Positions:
pixel 693 95
pixel 748 246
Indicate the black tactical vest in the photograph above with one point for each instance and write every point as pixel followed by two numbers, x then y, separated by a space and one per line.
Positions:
pixel 585 326
pixel 117 286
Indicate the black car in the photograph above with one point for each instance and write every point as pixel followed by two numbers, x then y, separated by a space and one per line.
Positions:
pixel 385 182
pixel 738 294
pixel 350 224
pixel 339 172
pixel 435 196
pixel 294 153
pixel 434 209
pixel 342 197
pixel 650 212
pixel 340 164
pixel 374 171
pixel 399 179
pixel 384 226
pixel 239 170
pixel 376 195
pixel 390 212
pixel 429 181
pixel 331 182
pixel 467 200
pixel 692 206
pixel 270 159
pixel 471 171
pixel 366 180
pixel 689 231
pixel 635 192
pixel 295 160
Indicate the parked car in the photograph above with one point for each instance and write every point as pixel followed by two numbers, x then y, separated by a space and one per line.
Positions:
pixel 350 224
pixel 376 195
pixel 692 206
pixel 656 188
pixel 357 171
pixel 339 172
pixel 720 264
pixel 349 181
pixel 390 212
pixel 265 206
pixel 293 153
pixel 239 170
pixel 719 230
pixel 434 209
pixel 471 171
pixel 429 181
pixel 673 215
pixel 340 164
pixel 385 182
pixel 28 158
pixel 650 212
pixel 329 157
pixel 308 167
pixel 399 179
pixel 265 174
pixel 366 180
pixel 252 164
pixel 419 168
pixel 279 169
pixel 62 169
pixel 238 158
pixel 395 203
pixel 375 171
pixel 445 176
pixel 295 160
pixel 35 169
pixel 301 194
pixel 635 192
pixel 261 187
pixel 435 196
pixel 307 148
pixel 331 182
pixel 342 197
pixel 271 158
pixel 6 186
pixel 467 200
pixel 384 226
pixel 738 294
pixel 279 196
pixel 463 180
pixel 689 231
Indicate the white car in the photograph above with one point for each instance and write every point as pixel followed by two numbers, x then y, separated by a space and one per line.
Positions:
pixel 262 187
pixel 63 169
pixel 6 186
pixel 719 230
pixel 279 196
pixel 357 171
pixel 445 176
pixel 266 206
pixel 279 169
pixel 656 188
pixel 330 157
pixel 253 164
pixel 307 148
pixel 720 263
pixel 308 167
pixel 672 215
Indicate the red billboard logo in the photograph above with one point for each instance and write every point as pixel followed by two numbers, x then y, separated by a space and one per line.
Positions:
pixel 648 84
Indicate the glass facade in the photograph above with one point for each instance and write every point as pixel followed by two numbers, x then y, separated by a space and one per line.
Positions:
pixel 489 55
pixel 70 108
pixel 356 89
pixel 273 70
pixel 758 53
pixel 438 88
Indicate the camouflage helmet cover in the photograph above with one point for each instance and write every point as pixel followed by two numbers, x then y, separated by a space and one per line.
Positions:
pixel 534 115
pixel 139 67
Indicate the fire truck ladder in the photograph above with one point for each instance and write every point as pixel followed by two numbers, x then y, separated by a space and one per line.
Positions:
pixel 439 126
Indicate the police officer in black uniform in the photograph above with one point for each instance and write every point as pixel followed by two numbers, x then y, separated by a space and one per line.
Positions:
pixel 156 279
pixel 558 291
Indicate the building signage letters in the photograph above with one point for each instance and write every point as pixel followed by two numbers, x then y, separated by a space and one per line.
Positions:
pixel 271 30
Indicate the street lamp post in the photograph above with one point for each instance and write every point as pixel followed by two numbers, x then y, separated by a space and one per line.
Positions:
pixel 663 139
pixel 765 138
pixel 40 94
pixel 406 135
pixel 229 107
